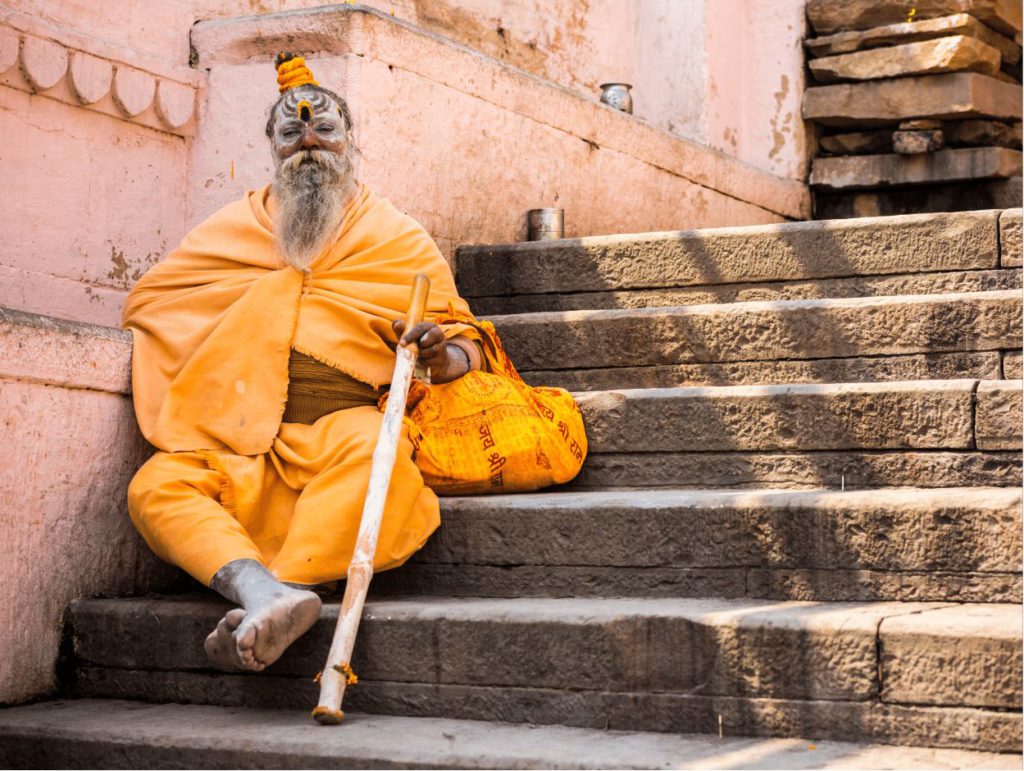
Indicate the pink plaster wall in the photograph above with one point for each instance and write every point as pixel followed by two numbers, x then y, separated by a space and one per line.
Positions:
pixel 125 186
pixel 68 447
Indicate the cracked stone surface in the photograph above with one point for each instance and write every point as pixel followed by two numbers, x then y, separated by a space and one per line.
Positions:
pixel 763 331
pixel 967 655
pixel 998 415
pixel 789 252
pixel 936 414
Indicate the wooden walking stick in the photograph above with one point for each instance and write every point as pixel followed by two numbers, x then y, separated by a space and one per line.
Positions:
pixel 337 670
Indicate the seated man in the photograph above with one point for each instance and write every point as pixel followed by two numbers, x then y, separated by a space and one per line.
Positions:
pixel 261 345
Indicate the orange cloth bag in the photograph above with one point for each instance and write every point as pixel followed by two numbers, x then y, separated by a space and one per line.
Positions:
pixel 489 432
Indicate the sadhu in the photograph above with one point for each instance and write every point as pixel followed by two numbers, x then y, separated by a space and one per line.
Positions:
pixel 261 348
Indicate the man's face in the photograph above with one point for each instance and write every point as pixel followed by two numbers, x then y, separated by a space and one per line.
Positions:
pixel 308 120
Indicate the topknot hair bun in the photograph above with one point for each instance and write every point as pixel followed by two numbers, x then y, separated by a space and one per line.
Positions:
pixel 292 72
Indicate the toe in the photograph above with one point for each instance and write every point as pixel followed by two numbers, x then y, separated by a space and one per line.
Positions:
pixel 245 636
pixel 233 619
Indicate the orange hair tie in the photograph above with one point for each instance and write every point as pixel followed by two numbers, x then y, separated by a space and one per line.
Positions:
pixel 292 72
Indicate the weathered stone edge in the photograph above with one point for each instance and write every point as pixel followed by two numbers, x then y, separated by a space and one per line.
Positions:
pixel 839 653
pixel 834 470
pixel 1010 238
pixel 508 581
pixel 472 259
pixel 964 728
pixel 70 354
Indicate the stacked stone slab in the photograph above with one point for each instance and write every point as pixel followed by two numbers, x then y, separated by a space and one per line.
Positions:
pixel 919 105
pixel 800 517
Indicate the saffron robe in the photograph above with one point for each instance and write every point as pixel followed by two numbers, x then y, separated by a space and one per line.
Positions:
pixel 213 326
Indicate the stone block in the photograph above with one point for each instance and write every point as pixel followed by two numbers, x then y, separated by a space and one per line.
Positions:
pixel 956 165
pixel 950 96
pixel 934 414
pixel 998 417
pixel 789 252
pixel 56 352
pixel 948 197
pixel 872 585
pixel 752 648
pixel 953 529
pixel 827 16
pixel 964 655
pixel 917 142
pixel 1012 365
pixel 466 580
pixel 857 143
pixel 832 585
pixel 940 282
pixel 973 133
pixel 1010 254
pixel 814 470
pixel 940 366
pixel 956 53
pixel 763 331
pixel 909 32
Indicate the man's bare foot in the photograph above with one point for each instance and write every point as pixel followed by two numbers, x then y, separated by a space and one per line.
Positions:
pixel 266 632
pixel 273 615
pixel 220 643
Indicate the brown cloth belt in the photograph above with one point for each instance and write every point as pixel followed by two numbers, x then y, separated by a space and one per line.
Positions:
pixel 316 389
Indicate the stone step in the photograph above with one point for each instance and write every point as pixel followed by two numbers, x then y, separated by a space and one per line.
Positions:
pixel 97 733
pixel 943 282
pixel 500 658
pixel 895 544
pixel 857 172
pixel 908 415
pixel 952 96
pixel 792 252
pixel 981 365
pixel 763 331
pixel 842 470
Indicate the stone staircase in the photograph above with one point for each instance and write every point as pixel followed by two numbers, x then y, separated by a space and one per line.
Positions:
pixel 800 517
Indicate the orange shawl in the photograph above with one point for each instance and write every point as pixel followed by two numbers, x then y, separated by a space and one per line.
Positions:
pixel 213 323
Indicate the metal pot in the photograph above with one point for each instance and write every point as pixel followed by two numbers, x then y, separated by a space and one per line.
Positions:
pixel 545 224
pixel 617 95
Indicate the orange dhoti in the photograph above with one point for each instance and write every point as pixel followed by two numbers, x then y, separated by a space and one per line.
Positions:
pixel 296 508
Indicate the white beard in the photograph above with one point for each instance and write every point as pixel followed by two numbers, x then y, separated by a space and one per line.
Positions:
pixel 312 188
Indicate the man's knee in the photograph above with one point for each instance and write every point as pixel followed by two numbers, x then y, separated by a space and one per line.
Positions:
pixel 164 477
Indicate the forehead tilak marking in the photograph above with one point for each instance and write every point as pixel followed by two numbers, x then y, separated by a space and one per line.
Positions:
pixel 316 101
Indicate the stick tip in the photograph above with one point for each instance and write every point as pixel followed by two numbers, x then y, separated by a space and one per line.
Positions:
pixel 328 716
